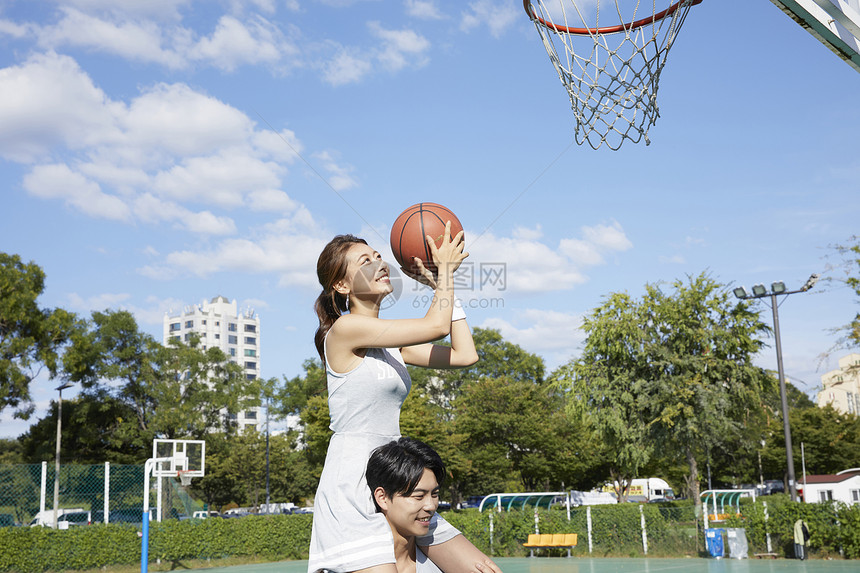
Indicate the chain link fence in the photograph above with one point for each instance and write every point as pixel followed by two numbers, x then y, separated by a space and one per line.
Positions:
pixel 101 493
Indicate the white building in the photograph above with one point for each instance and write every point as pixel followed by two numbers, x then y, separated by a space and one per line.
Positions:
pixel 843 486
pixel 218 323
pixel 841 387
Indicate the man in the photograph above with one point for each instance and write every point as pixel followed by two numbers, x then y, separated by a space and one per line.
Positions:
pixel 404 477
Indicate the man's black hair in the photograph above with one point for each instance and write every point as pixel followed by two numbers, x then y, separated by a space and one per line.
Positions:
pixel 398 466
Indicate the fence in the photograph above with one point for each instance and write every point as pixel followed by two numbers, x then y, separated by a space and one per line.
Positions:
pixel 654 530
pixel 110 493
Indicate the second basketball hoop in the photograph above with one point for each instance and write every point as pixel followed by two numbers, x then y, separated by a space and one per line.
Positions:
pixel 609 55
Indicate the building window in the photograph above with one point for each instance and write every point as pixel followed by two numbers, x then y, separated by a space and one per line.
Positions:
pixel 251 352
pixel 189 324
pixel 232 327
pixel 250 340
pixel 187 336
pixel 231 339
pixel 825 495
pixel 251 415
pixel 176 338
pixel 250 376
pixel 217 323
pixel 174 327
pixel 217 336
pixel 251 365
pixel 232 352
pixel 855 496
pixel 250 328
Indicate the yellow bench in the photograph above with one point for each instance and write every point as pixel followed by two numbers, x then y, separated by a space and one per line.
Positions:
pixel 547 540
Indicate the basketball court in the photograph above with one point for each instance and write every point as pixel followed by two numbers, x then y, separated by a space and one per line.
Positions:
pixel 579 565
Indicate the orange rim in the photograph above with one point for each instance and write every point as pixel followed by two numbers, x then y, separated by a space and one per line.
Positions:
pixel 605 29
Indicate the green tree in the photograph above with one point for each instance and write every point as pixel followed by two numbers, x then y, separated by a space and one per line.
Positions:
pixel 173 391
pixel 678 366
pixel 606 383
pixel 831 442
pixel 10 452
pixel 96 428
pixel 31 338
pixel 849 275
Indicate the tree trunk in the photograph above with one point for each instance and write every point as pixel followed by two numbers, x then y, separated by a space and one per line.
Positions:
pixel 693 480
pixel 621 485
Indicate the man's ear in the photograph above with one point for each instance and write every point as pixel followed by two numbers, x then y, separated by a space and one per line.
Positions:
pixel 381 498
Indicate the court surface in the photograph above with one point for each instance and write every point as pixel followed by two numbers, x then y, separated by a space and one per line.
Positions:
pixel 582 565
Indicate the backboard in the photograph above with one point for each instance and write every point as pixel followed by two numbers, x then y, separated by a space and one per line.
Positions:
pixel 188 456
pixel 836 24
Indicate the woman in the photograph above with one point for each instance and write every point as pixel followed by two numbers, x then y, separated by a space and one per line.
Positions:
pixel 365 359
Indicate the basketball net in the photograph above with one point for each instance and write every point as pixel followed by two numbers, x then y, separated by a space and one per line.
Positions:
pixel 611 72
pixel 184 477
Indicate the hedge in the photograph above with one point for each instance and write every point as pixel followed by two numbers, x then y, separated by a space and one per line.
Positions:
pixel 673 531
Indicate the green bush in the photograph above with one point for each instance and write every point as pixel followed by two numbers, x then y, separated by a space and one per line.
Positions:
pixel 37 549
pixel 673 531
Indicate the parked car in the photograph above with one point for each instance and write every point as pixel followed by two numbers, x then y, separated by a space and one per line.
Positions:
pixel 7 520
pixel 205 514
pixel 65 518
pixel 128 515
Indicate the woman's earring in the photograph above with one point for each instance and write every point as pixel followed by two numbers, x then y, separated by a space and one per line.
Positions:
pixel 347 301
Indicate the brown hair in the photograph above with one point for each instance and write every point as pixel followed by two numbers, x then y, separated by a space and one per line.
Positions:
pixel 331 268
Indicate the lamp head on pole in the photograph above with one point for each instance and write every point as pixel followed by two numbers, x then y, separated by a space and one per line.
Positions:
pixel 759 290
pixel 64 386
pixel 777 287
pixel 740 292
pixel 810 282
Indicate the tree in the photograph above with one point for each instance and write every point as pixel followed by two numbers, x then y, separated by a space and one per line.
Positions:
pixel 31 338
pixel 605 385
pixel 850 267
pixel 96 428
pixel 676 369
pixel 173 391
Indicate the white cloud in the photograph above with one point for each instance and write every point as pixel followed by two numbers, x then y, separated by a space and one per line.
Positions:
pixel 181 121
pixel 222 179
pixel 161 9
pixel 496 17
pixel 423 9
pixel 346 68
pixel 532 265
pixel 60 182
pixel 339 177
pixel 49 101
pixel 551 334
pixel 400 48
pixel 130 39
pixel 235 43
pixel 14 30
pixel 672 260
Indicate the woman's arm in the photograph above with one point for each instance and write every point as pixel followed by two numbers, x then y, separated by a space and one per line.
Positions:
pixel 460 354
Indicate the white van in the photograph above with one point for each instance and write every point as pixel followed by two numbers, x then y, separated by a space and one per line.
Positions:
pixel 65 518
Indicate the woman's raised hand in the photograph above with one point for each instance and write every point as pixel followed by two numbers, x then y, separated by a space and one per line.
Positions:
pixel 448 256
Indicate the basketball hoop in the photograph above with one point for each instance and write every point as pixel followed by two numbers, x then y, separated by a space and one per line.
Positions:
pixel 184 477
pixel 611 72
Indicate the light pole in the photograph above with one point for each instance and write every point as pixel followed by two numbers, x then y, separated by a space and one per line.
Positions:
pixel 778 289
pixel 57 458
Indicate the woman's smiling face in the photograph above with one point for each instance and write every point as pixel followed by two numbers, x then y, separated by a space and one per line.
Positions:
pixel 367 273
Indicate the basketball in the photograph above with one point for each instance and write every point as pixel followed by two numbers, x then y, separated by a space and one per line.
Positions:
pixel 408 234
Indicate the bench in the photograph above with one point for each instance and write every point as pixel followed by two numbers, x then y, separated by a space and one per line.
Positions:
pixel 548 540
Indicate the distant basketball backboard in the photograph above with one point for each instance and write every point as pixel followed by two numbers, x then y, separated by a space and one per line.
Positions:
pixel 836 23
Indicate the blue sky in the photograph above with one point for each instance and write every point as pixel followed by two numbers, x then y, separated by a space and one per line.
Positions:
pixel 158 153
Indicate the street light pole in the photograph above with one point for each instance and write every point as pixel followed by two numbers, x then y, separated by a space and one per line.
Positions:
pixel 57 457
pixel 778 289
